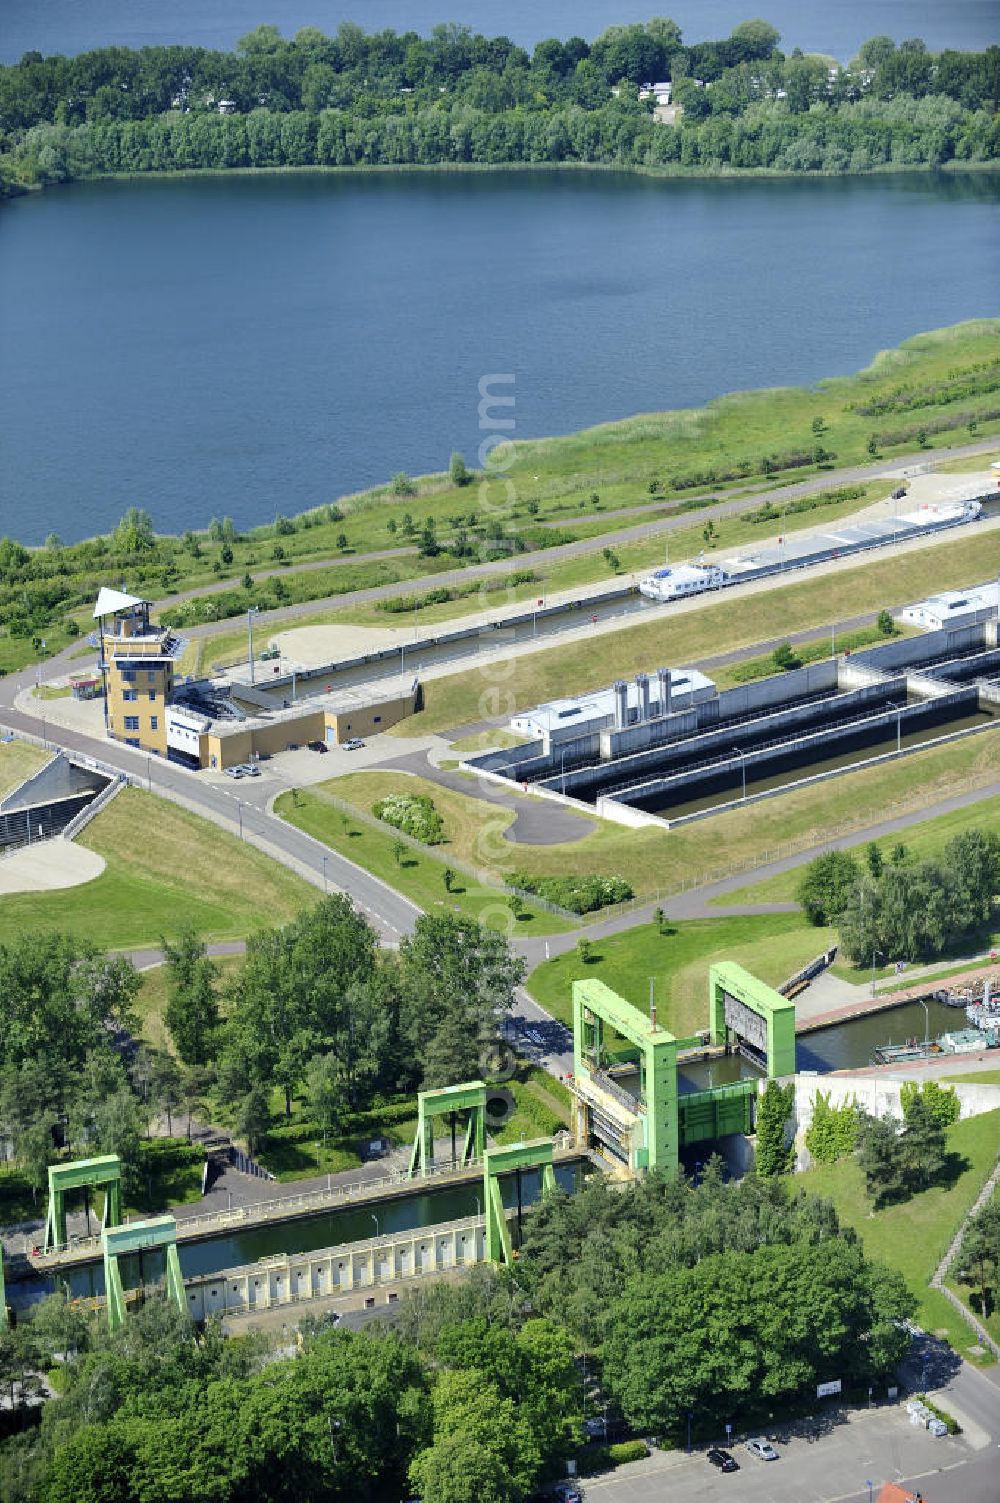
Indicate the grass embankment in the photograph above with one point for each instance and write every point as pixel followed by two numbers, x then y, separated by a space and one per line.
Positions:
pixel 771 946
pixel 655 861
pixel 751 669
pixel 974 1077
pixel 924 841
pixel 683 454
pixel 473 833
pixel 18 760
pixel 690 635
pixel 165 868
pixel 914 1236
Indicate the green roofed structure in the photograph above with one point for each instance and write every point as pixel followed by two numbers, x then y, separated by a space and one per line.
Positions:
pixel 743 1010
pixel 139 1237
pixel 82 1174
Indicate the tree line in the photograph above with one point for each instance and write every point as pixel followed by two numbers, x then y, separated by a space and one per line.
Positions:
pixel 461 98
pixel 317 1009
pixel 660 1301
pixel 905 908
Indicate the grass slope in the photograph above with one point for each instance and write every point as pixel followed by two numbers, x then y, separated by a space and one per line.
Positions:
pixel 924 840
pixel 771 947
pixel 18 760
pixel 165 868
pixel 913 1237
pixel 689 636
pixel 658 861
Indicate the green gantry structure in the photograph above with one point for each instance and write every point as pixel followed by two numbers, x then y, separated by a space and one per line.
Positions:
pixel 447 1102
pixel 497 1161
pixel 644 1129
pixel 82 1174
pixel 140 1237
pixel 642 1132
pixel 743 1009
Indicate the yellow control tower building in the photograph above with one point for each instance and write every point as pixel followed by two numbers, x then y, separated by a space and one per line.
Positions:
pixel 137 671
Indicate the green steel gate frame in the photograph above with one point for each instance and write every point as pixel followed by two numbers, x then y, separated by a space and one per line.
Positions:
pixel 776 1012
pixel 140 1236
pixel 469 1096
pixel 82 1174
pixel 497 1161
pixel 596 1005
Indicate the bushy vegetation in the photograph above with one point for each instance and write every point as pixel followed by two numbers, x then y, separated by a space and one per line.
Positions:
pixel 456 97
pixel 833 1131
pixel 414 814
pixel 978 1261
pixel 582 894
pixel 905 908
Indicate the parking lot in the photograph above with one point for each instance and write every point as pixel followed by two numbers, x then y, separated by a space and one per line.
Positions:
pixel 878 1445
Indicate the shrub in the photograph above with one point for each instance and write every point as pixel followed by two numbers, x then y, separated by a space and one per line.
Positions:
pixel 414 814
pixel 940 1102
pixel 833 1131
pixel 627 1450
pixel 577 894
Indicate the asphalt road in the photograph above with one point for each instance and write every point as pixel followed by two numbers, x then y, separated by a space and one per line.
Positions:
pixel 636 533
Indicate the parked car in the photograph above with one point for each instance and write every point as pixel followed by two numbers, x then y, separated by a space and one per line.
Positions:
pixel 762 1449
pixel 234 772
pixel 567 1492
pixel 317 746
pixel 899 493
pixel 722 1459
pixel 355 744
pixel 250 769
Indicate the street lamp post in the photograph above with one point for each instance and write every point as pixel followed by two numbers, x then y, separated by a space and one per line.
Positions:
pixel 871 1490
pixel 881 957
pixel 927 1020
pixel 253 610
pixel 375 1219
pixel 326 885
pixel 899 732
pixel 562 771
pixel 689 1431
pixel 743 768
pixel 239 811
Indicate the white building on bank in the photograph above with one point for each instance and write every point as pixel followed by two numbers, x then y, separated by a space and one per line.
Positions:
pixel 647 698
pixel 952 608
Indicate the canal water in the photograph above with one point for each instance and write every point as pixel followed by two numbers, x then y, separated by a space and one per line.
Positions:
pixel 862 752
pixel 331 1229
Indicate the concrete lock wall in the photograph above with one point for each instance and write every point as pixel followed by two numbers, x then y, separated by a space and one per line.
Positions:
pixel 357 1266
pixel 877 1095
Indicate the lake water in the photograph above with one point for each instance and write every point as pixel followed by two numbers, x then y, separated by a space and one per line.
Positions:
pixel 72 25
pixel 247 345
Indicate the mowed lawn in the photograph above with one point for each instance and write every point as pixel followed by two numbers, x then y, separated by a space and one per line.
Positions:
pixel 165 868
pixel 914 1236
pixel 18 760
pixel 658 861
pixel 473 835
pixel 687 636
pixel 772 947
pixel 924 840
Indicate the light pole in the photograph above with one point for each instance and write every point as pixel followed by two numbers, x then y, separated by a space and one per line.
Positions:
pixel 375 1219
pixel 899 732
pixel 253 610
pixel 239 811
pixel 689 1431
pixel 562 771
pixel 881 957
pixel 927 1020
pixel 326 885
pixel 149 772
pixel 871 1490
pixel 743 768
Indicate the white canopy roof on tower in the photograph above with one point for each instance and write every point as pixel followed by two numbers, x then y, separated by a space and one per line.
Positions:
pixel 110 601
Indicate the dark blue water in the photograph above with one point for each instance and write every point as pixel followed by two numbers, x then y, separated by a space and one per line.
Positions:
pixel 247 345
pixel 73 25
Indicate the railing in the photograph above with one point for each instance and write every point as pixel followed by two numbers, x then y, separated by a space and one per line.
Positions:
pixel 272 1210
pixel 79 821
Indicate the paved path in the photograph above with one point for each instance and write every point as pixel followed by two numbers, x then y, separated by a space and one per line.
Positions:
pixel 918 461
pixel 537 821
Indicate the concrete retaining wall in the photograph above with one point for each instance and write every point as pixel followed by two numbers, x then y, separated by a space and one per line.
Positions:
pixel 878 1095
pixel 364 1266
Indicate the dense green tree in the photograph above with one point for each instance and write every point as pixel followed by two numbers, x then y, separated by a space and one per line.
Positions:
pixel 192 1011
pixel 826 885
pixel 978 1261
pixel 774 1108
